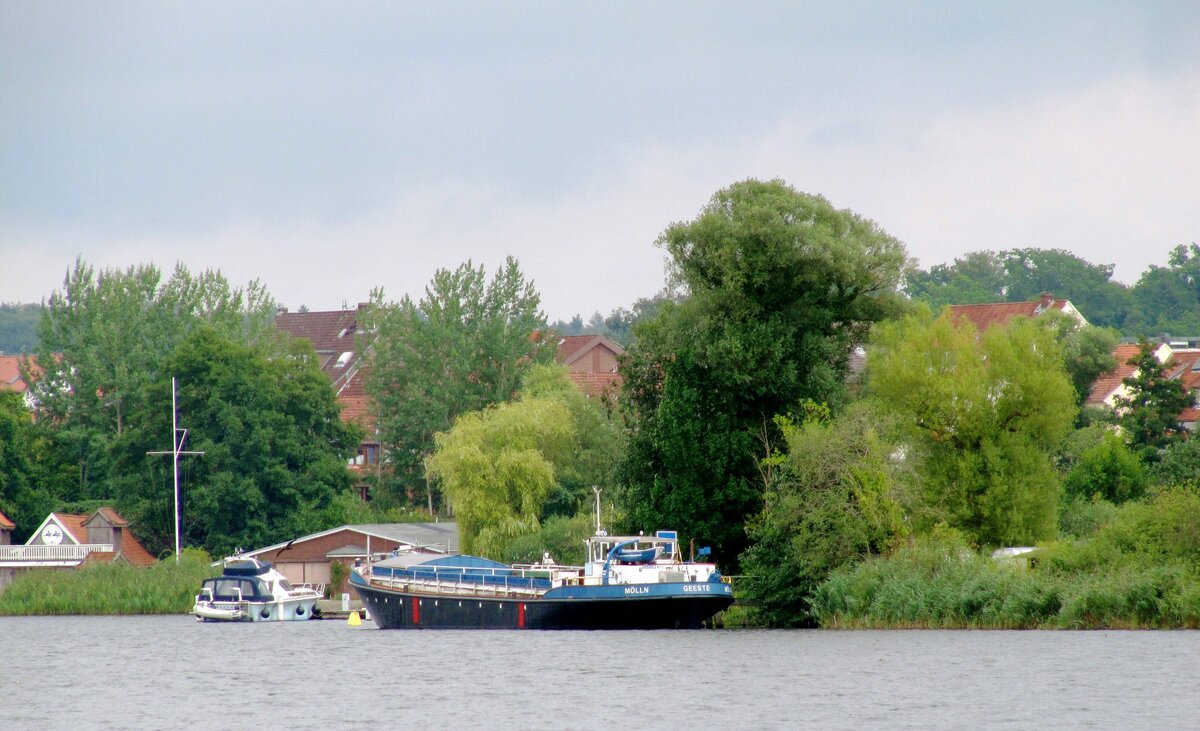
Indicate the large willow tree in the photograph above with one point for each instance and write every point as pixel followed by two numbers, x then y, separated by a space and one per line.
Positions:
pixel 778 287
pixel 983 413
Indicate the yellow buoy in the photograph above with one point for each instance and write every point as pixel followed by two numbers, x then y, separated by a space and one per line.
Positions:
pixel 354 620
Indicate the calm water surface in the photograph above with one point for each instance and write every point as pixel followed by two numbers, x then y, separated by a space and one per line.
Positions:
pixel 173 672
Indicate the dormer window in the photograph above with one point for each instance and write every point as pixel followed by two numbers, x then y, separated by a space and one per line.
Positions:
pixel 343 359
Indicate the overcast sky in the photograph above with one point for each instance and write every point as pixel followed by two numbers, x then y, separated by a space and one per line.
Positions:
pixel 330 148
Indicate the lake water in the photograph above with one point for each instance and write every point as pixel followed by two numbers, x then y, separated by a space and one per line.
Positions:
pixel 173 672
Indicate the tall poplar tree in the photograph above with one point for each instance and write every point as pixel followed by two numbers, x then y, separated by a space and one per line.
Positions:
pixel 464 346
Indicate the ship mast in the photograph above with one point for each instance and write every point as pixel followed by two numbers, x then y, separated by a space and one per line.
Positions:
pixel 178 436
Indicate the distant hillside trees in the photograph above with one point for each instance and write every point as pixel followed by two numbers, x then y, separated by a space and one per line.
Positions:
pixel 1165 299
pixel 779 285
pixel 18 327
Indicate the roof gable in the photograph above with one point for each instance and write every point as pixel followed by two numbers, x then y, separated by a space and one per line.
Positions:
pixel 573 347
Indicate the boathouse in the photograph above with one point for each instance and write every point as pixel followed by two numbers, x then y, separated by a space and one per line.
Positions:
pixel 310 559
pixel 66 541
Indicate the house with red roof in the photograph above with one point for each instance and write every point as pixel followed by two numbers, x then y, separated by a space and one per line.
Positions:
pixel 591 362
pixel 1001 313
pixel 67 541
pixel 332 335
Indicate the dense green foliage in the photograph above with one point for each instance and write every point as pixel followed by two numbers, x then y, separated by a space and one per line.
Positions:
pixel 28 463
pixel 1153 403
pixel 1138 570
pixel 274 448
pixel 983 414
pixel 1022 275
pixel 779 286
pixel 464 346
pixel 104 339
pixel 837 496
pixel 18 327
pixel 167 587
pixel 259 407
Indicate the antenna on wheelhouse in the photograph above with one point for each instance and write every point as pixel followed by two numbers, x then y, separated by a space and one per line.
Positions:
pixel 596 490
pixel 177 438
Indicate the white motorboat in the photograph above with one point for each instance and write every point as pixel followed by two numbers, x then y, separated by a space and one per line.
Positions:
pixel 249 590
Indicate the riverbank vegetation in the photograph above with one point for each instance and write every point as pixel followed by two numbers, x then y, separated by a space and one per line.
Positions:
pixel 166 587
pixel 842 497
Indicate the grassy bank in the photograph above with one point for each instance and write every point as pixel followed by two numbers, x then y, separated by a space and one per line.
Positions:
pixel 117 588
pixel 1140 570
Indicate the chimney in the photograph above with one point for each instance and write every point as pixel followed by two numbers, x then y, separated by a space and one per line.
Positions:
pixel 1046 302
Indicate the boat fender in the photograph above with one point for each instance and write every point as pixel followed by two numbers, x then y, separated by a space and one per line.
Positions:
pixel 266 614
pixel 299 611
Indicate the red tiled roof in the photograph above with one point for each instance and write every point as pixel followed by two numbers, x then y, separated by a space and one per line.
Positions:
pixel 985 316
pixel 131 550
pixel 327 331
pixel 1184 365
pixel 5 523
pixel 1108 382
pixel 571 347
pixel 332 335
pixel 568 345
pixel 10 373
pixel 74 525
pixel 596 384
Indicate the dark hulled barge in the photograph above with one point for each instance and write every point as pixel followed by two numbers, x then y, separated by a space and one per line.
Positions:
pixel 628 582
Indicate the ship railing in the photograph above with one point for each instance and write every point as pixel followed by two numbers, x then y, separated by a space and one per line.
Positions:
pixel 473 582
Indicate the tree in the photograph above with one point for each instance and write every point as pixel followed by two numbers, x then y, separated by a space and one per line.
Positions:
pixel 274 446
pixel 597 444
pixel 778 286
pixel 512 467
pixel 104 338
pixel 1087 349
pixel 464 346
pixel 983 414
pixel 1109 471
pixel 497 469
pixel 25 496
pixel 838 497
pixel 1167 299
pixel 18 327
pixel 1150 411
pixel 1030 272
pixel 977 278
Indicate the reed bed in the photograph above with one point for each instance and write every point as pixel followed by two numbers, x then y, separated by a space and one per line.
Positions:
pixel 166 587
pixel 1140 569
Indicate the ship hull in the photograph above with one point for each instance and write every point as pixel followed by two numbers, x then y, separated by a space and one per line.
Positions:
pixel 661 606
